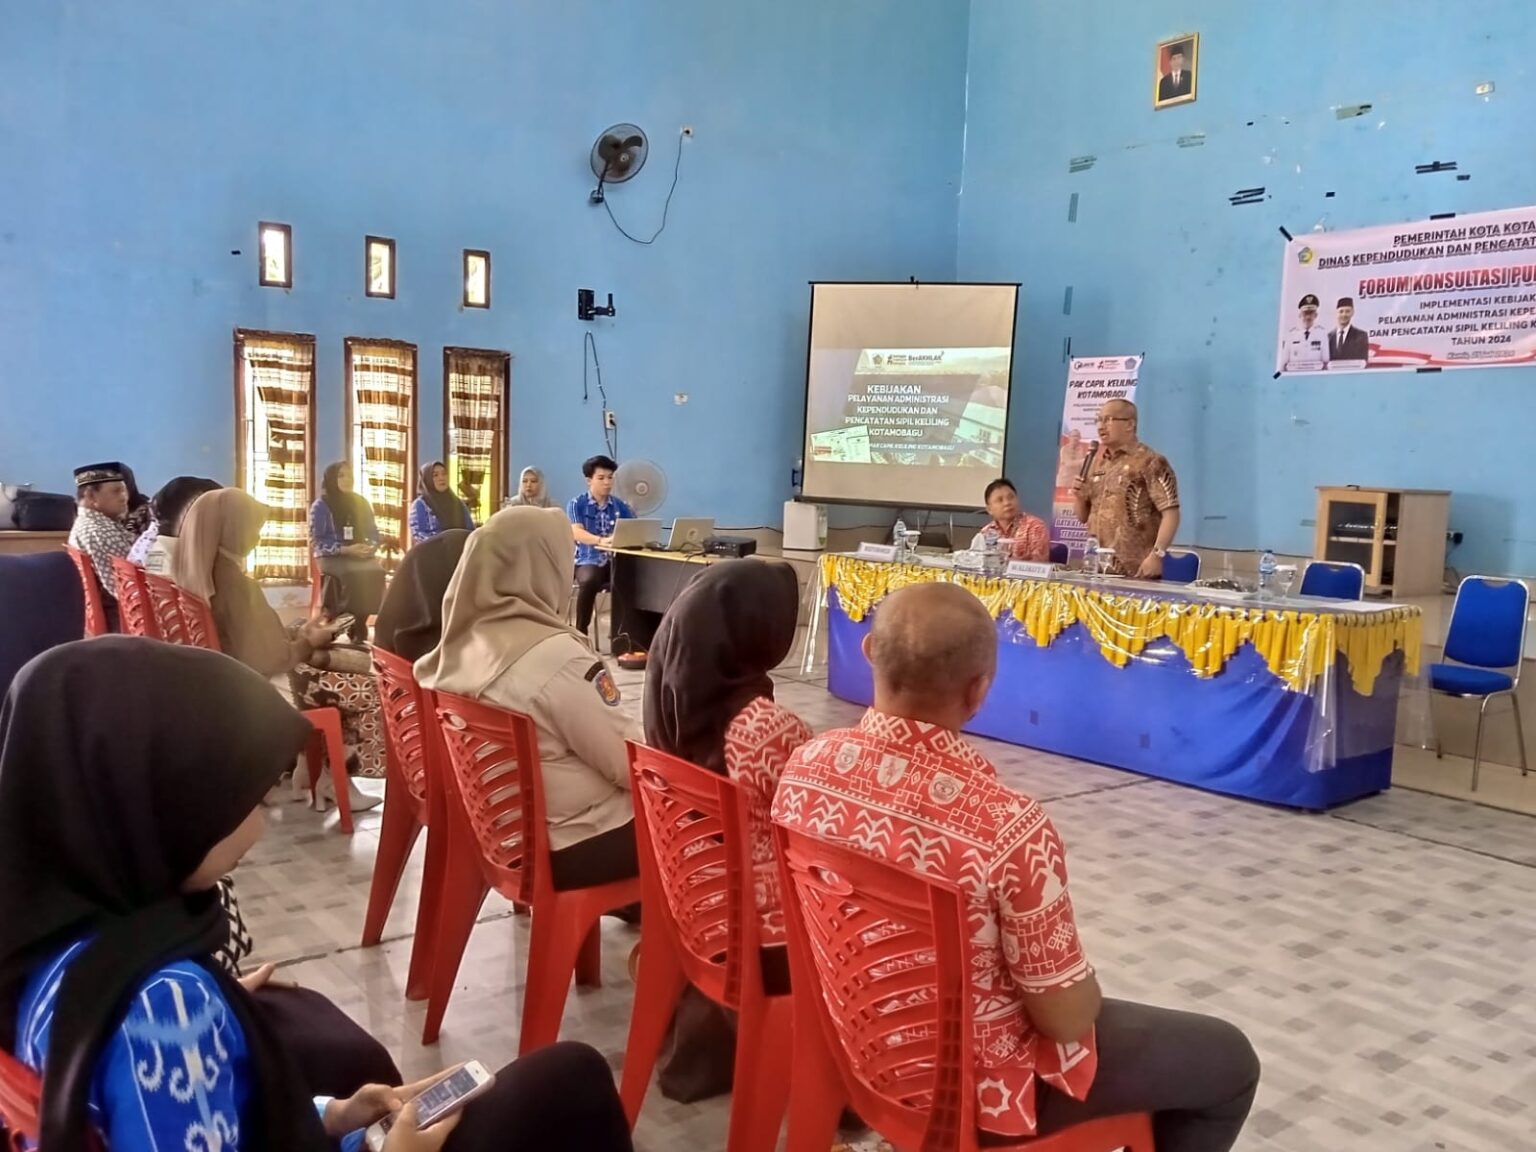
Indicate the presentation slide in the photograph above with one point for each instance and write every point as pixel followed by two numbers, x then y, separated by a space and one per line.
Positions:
pixel 907 392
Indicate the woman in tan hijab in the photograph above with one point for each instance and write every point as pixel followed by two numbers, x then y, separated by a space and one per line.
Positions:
pixel 505 641
pixel 219 531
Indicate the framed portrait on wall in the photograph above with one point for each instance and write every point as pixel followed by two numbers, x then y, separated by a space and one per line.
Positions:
pixel 1177 71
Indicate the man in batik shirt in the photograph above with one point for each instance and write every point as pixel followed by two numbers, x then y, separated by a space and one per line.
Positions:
pixel 905 787
pixel 1130 498
pixel 101 529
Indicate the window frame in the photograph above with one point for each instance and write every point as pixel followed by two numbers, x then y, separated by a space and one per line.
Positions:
pixel 241 335
pixel 500 445
pixel 413 439
pixel 464 278
pixel 262 226
pixel 368 243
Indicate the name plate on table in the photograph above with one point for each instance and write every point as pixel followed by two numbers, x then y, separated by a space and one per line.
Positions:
pixel 876 552
pixel 1030 570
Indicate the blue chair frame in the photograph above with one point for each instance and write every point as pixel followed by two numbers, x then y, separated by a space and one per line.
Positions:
pixel 1331 572
pixel 1181 567
pixel 1469 647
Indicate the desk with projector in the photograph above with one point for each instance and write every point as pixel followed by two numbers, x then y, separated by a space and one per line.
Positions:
pixel 1292 701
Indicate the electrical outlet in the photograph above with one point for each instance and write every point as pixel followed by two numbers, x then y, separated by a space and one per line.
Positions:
pixel 610 418
pixel 688 131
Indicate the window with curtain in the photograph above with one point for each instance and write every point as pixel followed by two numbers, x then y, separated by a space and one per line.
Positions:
pixel 475 426
pixel 381 423
pixel 274 444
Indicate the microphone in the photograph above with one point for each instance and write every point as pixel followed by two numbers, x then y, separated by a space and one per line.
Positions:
pixel 1093 451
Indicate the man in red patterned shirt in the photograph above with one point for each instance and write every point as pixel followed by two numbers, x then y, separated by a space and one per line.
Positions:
pixel 1023 537
pixel 906 787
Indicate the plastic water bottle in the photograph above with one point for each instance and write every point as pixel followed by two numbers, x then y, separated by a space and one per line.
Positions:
pixel 1267 566
pixel 1091 556
pixel 899 538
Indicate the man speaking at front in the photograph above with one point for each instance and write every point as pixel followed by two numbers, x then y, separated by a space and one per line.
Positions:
pixel 1129 498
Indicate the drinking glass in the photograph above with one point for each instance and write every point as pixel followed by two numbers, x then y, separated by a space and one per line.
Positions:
pixel 1285 576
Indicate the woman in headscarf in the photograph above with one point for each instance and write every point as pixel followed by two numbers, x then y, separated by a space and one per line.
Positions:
pixel 140 515
pixel 436 508
pixel 531 492
pixel 155 547
pixel 411 621
pixel 505 641
pixel 153 760
pixel 345 541
pixel 218 532
pixel 709 700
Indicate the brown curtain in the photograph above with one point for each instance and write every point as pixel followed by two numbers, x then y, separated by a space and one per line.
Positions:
pixel 278 379
pixel 383 419
pixel 477 387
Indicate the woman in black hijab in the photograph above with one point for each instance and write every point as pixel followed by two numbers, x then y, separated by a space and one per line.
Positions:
pixel 411 621
pixel 345 540
pixel 709 700
pixel 436 508
pixel 152 761
pixel 156 548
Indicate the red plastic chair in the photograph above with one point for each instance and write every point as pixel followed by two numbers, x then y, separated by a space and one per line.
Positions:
pixel 21 1096
pixel 865 935
pixel 95 613
pixel 701 926
pixel 325 740
pixel 412 800
pixel 137 614
pixel 499 838
pixel 165 600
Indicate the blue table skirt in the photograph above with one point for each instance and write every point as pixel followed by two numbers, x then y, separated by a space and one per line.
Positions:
pixel 1241 732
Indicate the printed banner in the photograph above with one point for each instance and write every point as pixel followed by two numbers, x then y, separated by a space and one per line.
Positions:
pixel 1453 293
pixel 1090 382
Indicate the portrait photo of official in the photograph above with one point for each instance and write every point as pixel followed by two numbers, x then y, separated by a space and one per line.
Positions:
pixel 1176 68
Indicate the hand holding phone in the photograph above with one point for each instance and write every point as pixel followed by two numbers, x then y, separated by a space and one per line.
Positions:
pixel 429 1111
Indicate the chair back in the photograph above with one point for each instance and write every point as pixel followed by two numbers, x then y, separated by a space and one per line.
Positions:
pixel 1059 554
pixel 406 725
pixel 1333 581
pixel 1181 567
pixel 95 612
pixel 165 600
pixel 197 615
pixel 884 950
pixel 696 868
pixel 493 762
pixel 21 1098
pixel 137 614
pixel 1488 621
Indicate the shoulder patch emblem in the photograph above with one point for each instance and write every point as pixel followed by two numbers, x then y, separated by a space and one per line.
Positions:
pixel 602 680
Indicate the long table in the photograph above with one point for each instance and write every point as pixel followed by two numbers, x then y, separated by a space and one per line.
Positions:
pixel 644 584
pixel 1293 702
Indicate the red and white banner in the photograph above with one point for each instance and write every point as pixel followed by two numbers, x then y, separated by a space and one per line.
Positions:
pixel 1091 382
pixel 1453 293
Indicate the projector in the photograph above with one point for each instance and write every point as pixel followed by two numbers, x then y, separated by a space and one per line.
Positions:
pixel 734 546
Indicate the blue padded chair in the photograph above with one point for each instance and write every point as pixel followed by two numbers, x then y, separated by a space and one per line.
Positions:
pixel 1487 633
pixel 1333 581
pixel 1181 567
pixel 40 607
pixel 1060 554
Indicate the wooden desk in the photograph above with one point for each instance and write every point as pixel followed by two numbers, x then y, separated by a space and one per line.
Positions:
pixel 21 543
pixel 643 585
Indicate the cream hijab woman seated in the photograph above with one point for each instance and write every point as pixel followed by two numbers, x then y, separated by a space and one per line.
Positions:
pixel 505 642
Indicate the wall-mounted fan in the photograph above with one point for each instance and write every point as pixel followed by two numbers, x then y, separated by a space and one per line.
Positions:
pixel 641 484
pixel 617 155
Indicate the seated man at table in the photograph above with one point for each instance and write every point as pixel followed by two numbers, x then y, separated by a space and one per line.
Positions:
pixel 101 529
pixel 593 515
pixel 906 787
pixel 1022 536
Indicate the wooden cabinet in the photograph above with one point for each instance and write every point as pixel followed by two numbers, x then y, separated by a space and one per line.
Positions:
pixel 1396 534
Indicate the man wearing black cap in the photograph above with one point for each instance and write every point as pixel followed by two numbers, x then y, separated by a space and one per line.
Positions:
pixel 1306 345
pixel 101 529
pixel 1346 342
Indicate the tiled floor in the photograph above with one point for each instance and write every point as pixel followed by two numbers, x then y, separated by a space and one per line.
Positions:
pixel 1382 957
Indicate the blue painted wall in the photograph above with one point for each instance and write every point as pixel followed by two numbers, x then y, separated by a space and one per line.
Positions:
pixel 141 143
pixel 1159 262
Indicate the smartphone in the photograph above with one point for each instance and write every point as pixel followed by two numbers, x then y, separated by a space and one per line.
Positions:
pixel 440 1101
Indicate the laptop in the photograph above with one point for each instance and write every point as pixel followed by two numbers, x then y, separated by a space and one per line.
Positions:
pixel 690 532
pixel 636 533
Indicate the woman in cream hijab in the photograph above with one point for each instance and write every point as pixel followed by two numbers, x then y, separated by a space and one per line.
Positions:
pixel 219 531
pixel 505 642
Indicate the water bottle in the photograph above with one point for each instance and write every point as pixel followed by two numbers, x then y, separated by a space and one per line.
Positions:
pixel 1091 556
pixel 899 538
pixel 1267 566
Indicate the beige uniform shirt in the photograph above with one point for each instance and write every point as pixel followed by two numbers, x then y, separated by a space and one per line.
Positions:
pixel 161 556
pixel 575 706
